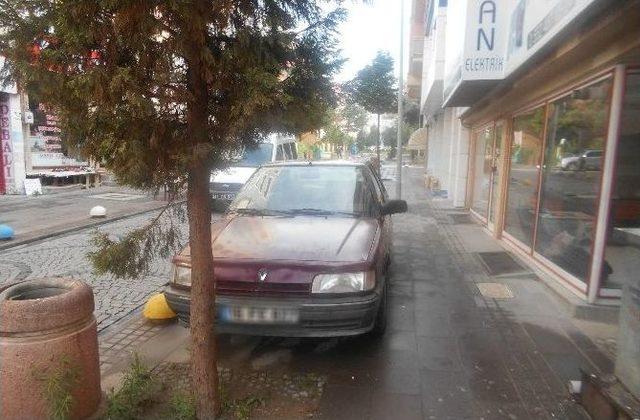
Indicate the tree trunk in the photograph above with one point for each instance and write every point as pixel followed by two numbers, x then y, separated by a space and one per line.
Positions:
pixel 204 372
pixel 203 290
pixel 378 144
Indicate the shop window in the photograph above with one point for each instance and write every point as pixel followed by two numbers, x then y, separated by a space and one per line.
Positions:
pixel 622 253
pixel 483 164
pixel 571 177
pixel 524 165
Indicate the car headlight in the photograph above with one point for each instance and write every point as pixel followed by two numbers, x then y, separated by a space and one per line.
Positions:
pixel 343 282
pixel 182 275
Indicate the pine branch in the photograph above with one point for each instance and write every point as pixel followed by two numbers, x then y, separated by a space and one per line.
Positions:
pixel 131 255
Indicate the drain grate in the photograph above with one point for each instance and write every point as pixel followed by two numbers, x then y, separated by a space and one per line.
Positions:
pixel 461 218
pixel 500 263
pixel 495 290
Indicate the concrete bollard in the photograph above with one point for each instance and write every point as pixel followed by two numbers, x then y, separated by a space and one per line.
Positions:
pixel 48 333
pixel 6 232
pixel 98 211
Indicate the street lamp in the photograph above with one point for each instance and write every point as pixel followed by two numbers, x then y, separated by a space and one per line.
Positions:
pixel 400 106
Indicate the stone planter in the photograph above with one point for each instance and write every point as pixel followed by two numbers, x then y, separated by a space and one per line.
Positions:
pixel 48 334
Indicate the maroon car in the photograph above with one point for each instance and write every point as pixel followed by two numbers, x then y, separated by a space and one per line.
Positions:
pixel 303 251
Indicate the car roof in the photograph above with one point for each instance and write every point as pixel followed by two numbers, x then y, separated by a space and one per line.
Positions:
pixel 316 163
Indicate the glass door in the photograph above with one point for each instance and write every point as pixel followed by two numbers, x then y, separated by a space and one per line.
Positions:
pixel 482 171
pixel 496 154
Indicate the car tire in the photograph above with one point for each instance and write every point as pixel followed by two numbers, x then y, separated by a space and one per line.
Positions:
pixel 572 166
pixel 380 325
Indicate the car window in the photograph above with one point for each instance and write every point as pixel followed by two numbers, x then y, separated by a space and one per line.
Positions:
pixel 378 186
pixel 256 156
pixel 287 151
pixel 279 153
pixel 321 190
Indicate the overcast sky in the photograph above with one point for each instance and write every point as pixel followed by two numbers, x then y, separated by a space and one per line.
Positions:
pixel 370 28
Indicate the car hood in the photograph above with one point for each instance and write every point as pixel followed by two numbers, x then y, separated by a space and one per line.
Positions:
pixel 233 175
pixel 300 238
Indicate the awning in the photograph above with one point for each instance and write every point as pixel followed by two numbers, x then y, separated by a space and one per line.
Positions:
pixel 59 174
pixel 418 140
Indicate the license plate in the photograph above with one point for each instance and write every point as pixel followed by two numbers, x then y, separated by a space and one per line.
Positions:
pixel 223 196
pixel 258 315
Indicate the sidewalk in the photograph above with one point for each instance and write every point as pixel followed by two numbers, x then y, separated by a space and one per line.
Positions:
pixel 39 217
pixel 467 339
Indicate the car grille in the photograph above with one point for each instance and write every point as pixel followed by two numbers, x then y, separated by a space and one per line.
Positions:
pixel 262 289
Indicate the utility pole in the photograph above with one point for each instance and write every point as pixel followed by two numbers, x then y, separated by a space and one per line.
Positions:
pixel 400 107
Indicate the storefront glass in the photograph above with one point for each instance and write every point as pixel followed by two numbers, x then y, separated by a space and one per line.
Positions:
pixel 496 162
pixel 571 177
pixel 622 252
pixel 483 146
pixel 522 195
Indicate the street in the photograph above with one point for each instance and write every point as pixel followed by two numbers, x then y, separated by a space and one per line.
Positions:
pixel 65 256
pixel 449 351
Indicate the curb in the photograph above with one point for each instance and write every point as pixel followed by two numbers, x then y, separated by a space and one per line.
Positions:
pixel 67 231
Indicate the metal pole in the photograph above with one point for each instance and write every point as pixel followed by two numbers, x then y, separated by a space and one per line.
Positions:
pixel 400 110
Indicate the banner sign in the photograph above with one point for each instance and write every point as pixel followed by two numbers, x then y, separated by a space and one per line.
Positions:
pixel 45 132
pixel 6 151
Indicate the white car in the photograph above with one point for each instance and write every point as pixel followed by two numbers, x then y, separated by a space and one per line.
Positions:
pixel 589 159
pixel 225 184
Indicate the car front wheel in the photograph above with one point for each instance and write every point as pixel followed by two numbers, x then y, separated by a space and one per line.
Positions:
pixel 380 325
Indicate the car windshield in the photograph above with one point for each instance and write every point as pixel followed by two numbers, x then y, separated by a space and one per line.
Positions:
pixel 256 156
pixel 309 190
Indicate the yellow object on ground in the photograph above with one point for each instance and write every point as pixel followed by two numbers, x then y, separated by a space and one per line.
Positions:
pixel 157 308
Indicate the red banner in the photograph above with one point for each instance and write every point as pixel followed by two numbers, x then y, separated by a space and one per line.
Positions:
pixel 5 143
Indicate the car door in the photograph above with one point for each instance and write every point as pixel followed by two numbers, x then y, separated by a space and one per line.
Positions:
pixel 380 195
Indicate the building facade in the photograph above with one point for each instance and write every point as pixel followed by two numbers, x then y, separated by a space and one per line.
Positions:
pixel 12 141
pixel 533 112
pixel 32 147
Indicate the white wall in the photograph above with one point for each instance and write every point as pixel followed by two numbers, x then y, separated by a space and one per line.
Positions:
pixel 448 154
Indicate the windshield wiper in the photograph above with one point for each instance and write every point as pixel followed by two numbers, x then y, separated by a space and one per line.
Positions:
pixel 320 212
pixel 258 212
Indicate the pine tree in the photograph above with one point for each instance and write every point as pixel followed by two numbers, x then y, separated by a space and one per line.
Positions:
pixel 160 92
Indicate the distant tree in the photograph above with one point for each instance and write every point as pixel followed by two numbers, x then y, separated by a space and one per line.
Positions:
pixel 374 88
pixel 354 117
pixel 161 91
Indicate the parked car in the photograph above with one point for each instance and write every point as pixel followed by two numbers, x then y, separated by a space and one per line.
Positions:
pixel 303 251
pixel 225 184
pixel 588 160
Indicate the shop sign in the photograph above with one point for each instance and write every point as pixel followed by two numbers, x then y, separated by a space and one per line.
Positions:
pixel 46 141
pixel 45 131
pixel 6 150
pixel 476 42
pixel 534 23
pixel 485 40
pixel 53 159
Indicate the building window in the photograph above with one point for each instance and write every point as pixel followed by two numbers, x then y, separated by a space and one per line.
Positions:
pixel 524 163
pixel 571 177
pixel 622 253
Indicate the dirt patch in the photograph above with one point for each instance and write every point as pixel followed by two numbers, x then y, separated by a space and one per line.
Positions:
pixel 270 394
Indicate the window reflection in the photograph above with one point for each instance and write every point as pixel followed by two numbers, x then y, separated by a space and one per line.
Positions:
pixel 483 163
pixel 622 253
pixel 571 175
pixel 526 145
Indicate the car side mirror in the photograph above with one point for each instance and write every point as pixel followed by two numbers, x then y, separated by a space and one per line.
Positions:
pixel 393 207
